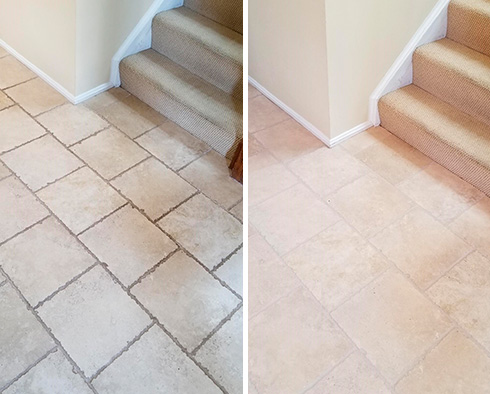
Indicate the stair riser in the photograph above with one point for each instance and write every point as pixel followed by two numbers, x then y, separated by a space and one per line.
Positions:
pixel 449 85
pixel 227 12
pixel 414 134
pixel 218 70
pixel 469 28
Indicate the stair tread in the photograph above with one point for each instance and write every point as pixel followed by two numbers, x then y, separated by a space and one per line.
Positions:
pixel 186 88
pixel 478 6
pixel 208 33
pixel 443 121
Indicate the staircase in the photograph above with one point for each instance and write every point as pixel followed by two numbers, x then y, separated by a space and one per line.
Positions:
pixel 193 73
pixel 445 113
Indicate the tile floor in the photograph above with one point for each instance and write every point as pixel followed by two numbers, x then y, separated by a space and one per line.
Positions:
pixel 112 276
pixel 369 266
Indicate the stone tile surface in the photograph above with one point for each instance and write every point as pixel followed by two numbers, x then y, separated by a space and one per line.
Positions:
pixel 232 272
pixel 13 72
pixel 236 211
pixel 253 92
pixel 263 113
pixel 5 101
pixel 17 128
pixel 364 140
pixel 106 98
pixel 4 171
pixel 269 181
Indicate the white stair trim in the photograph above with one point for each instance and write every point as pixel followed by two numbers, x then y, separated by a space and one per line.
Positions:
pixel 401 72
pixel 140 38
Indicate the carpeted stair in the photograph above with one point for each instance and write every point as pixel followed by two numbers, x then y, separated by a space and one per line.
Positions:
pixel 445 113
pixel 193 74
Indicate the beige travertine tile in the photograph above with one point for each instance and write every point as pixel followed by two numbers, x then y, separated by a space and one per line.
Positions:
pixel 252 92
pixel 367 138
pixel 154 365
pixel 204 229
pixel 393 323
pixel 23 340
pixel 474 226
pixel 292 344
pixel 456 365
pixel 222 354
pixel 254 146
pixel 288 140
pixel 251 388
pixel 336 263
pixel 153 188
pixel 188 301
pixel 265 267
pixel 260 161
pixel 263 113
pixel 4 100
pixel 36 96
pixel 53 375
pixel 440 192
pixel 27 209
pixel 355 375
pixel 393 159
pixel 370 204
pixel 326 170
pixel 173 145
pixel 110 152
pixel 17 128
pixel 35 165
pixel 81 199
pixel 106 98
pixel 13 72
pixel 421 247
pixel 236 211
pixel 286 221
pixel 463 293
pixel 211 175
pixel 269 181
pixel 232 272
pixel 72 123
pixel 3 52
pixel 4 171
pixel 93 319
pixel 43 259
pixel 128 243
pixel 132 116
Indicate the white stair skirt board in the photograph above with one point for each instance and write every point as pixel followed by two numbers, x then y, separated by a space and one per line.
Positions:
pixel 50 81
pixel 307 125
pixel 401 72
pixel 140 38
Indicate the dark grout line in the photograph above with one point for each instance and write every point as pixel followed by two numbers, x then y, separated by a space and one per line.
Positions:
pixel 25 230
pixel 176 207
pixel 102 219
pixel 23 144
pixel 58 179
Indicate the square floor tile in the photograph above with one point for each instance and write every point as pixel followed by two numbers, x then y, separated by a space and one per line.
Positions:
pixel 231 272
pixel 336 263
pixel 81 199
pixel 326 170
pixel 269 181
pixel 132 116
pixel 34 162
pixel 53 375
pixel 27 209
pixel 370 204
pixel 421 247
pixel 17 128
pixel 153 188
pixel 13 72
pixel 211 175
pixel 254 146
pixel 236 211
pixel 394 159
pixel 264 113
pixel 188 301
pixel 252 92
pixel 292 344
pixel 288 140
pixel 173 145
pixel 93 319
pixel 456 365
pixel 393 323
pixel 23 339
pixel 260 160
pixel 3 52
pixel 364 140
pixel 355 375
pixel 265 267
pixel 5 101
pixel 291 218
pixel 110 152
pixel 154 365
pixel 190 226
pixel 36 96
pixel 128 243
pixel 463 293
pixel 106 98
pixel 222 354
pixel 4 171
pixel 43 259
pixel 72 123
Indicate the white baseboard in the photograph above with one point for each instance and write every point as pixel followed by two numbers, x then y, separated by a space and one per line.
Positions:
pixel 50 81
pixel 401 72
pixel 307 125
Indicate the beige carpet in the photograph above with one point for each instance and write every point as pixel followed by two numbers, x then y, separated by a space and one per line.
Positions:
pixel 446 112
pixel 226 12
